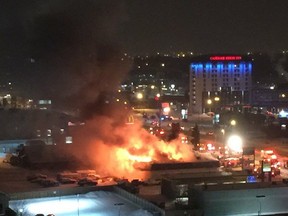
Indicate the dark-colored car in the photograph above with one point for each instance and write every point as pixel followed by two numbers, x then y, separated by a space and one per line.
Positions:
pixel 50 183
pixel 67 181
pixel 35 177
pixel 87 182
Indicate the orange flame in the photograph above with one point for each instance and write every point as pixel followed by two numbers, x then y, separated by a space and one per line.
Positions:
pixel 124 149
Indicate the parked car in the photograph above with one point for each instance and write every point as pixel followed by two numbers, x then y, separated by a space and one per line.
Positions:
pixel 87 182
pixel 36 176
pixel 38 180
pixel 50 183
pixel 93 176
pixel 68 181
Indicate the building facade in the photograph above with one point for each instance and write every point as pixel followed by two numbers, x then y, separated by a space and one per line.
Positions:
pixel 220 82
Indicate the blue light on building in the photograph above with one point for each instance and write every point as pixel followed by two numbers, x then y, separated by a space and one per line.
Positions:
pixel 219 75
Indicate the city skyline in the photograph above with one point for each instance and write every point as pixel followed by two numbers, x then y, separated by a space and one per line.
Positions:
pixel 72 50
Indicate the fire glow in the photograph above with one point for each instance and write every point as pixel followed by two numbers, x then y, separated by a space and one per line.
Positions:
pixel 128 150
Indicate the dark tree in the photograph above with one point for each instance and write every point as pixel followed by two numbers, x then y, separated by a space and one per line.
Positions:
pixel 195 136
pixel 175 131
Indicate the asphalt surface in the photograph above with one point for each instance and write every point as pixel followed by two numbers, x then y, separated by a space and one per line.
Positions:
pixel 13 179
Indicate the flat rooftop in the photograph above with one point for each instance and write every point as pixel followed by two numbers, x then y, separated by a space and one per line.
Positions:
pixel 104 203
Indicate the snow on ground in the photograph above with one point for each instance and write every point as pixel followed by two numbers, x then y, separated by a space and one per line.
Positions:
pixel 97 203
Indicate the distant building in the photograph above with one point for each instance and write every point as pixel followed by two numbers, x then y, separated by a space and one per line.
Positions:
pixel 222 81
pixel 226 195
pixel 272 100
pixel 44 104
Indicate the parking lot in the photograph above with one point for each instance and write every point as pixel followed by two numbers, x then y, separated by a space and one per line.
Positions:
pixel 96 203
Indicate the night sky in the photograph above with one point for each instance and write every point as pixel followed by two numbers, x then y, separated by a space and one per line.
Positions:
pixel 205 26
pixel 72 48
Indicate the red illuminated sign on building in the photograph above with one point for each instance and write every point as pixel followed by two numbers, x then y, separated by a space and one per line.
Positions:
pixel 225 58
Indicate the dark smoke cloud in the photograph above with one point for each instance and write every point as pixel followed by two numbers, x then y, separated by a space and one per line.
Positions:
pixel 280 69
pixel 66 50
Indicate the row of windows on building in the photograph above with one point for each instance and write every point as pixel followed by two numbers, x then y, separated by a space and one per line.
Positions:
pixel 224 84
pixel 236 102
pixel 246 70
pixel 204 75
pixel 225 79
pixel 223 76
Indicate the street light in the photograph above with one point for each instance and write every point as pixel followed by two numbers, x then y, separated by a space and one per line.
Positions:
pixel 259 198
pixel 223 131
pixel 235 144
pixel 119 205
pixel 139 96
pixel 209 102
pixel 233 122
pixel 78 204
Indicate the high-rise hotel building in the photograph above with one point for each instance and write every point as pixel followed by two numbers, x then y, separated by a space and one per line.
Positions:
pixel 220 82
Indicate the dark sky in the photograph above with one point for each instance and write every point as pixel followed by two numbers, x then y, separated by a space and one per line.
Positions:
pixel 64 50
pixel 72 48
pixel 206 26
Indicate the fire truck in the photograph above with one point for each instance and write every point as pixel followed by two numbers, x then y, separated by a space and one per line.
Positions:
pixel 269 163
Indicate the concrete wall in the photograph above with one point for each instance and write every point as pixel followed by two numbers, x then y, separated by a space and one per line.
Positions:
pixel 253 201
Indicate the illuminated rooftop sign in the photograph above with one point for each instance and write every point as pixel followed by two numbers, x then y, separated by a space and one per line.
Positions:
pixel 225 58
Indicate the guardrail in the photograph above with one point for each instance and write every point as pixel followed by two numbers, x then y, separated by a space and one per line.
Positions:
pixel 155 210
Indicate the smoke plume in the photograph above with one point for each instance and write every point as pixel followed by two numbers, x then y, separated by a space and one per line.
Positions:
pixel 280 68
pixel 65 50
pixel 124 150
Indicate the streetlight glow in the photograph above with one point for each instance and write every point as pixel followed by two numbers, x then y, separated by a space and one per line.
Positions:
pixel 166 109
pixel 235 144
pixel 233 122
pixel 139 95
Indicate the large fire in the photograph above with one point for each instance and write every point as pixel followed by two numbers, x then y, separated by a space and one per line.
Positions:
pixel 125 151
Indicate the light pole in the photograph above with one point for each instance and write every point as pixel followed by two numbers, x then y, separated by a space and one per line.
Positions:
pixel 119 205
pixel 78 204
pixel 209 102
pixel 259 201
